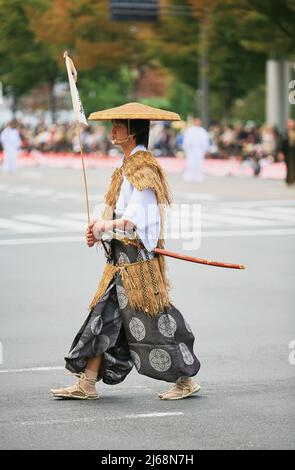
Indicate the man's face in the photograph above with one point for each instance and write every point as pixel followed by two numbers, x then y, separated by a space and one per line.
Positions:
pixel 119 131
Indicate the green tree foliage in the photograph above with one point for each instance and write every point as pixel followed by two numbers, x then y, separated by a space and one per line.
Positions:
pixel 174 44
pixel 84 27
pixel 100 90
pixel 23 61
pixel 268 26
pixel 233 68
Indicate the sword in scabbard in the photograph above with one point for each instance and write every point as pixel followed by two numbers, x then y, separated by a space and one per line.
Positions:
pixel 171 254
pixel 136 242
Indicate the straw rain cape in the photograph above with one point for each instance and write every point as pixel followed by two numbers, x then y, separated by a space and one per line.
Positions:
pixel 145 282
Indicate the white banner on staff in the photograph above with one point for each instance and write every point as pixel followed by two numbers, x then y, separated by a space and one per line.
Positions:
pixel 77 104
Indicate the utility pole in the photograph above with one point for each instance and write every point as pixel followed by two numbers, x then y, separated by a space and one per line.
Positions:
pixel 278 75
pixel 203 85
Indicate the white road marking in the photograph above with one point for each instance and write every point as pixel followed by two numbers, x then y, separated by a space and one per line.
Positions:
pixel 196 196
pixel 249 233
pixel 31 369
pixel 76 215
pixel 178 217
pixel 19 190
pixel 48 192
pixel 241 220
pixel 282 210
pixel 48 422
pixel 22 227
pixel 77 196
pixel 43 192
pixel 145 415
pixel 33 241
pixel 275 217
pixel 57 222
pixel 260 203
pixel 67 194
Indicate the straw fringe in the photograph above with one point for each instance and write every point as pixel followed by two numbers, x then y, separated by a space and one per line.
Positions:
pixel 112 194
pixel 109 272
pixel 141 295
pixel 144 172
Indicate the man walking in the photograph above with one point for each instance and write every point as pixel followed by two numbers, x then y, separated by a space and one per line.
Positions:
pixel 131 320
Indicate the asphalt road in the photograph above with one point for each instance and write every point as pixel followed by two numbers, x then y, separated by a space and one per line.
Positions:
pixel 243 321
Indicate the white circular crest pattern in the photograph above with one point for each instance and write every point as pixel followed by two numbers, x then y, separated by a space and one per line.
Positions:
pixel 137 329
pixel 160 360
pixel 117 317
pixel 167 325
pixel 187 357
pixel 122 298
pixel 96 325
pixel 136 359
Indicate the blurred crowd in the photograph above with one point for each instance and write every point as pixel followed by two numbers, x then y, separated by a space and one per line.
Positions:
pixel 242 141
pixel 62 138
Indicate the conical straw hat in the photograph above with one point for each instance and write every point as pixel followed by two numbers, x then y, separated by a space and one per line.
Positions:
pixel 134 111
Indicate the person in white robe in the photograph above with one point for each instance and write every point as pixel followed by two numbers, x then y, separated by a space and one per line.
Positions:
pixel 11 143
pixel 195 146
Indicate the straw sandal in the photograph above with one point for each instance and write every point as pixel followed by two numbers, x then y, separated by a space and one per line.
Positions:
pixel 181 390
pixel 78 391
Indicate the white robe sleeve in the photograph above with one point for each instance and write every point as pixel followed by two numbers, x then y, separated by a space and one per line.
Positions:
pixel 143 211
